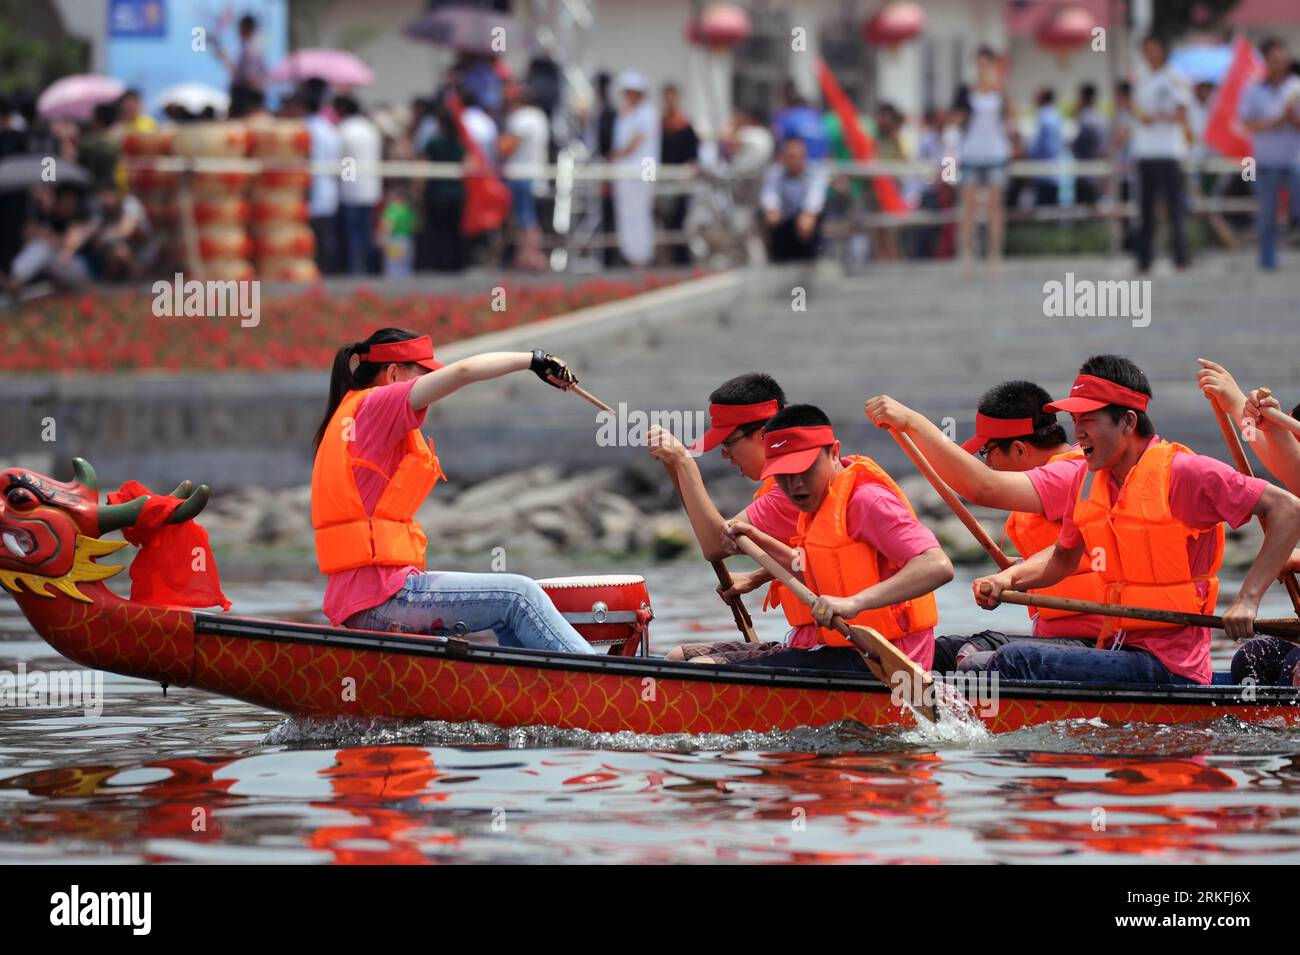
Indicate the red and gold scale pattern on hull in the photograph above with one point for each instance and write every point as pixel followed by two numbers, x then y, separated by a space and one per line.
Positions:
pixel 322 681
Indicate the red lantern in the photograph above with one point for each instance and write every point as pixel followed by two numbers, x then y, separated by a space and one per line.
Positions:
pixel 1066 30
pixel 895 24
pixel 720 27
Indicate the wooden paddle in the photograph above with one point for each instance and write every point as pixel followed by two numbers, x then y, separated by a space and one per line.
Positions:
pixel 1238 453
pixel 890 665
pixel 1279 417
pixel 739 613
pixel 951 499
pixel 1285 629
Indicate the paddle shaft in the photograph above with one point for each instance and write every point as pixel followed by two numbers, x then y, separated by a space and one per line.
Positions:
pixel 586 395
pixel 883 657
pixel 1238 453
pixel 951 499
pixel 744 623
pixel 1284 629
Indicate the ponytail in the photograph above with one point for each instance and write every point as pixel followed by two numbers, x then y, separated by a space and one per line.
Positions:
pixel 345 378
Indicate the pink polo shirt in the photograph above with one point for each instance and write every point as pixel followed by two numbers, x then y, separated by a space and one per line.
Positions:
pixel 1203 492
pixel 383 418
pixel 875 517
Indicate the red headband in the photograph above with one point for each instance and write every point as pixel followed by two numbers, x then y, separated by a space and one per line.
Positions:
pixel 1090 393
pixel 724 419
pixel 986 428
pixel 793 450
pixel 418 350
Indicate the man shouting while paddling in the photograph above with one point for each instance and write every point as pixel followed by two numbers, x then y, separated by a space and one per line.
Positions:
pixel 1013 433
pixel 1149 514
pixel 858 545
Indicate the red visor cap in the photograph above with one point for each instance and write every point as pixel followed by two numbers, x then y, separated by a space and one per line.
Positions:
pixel 724 419
pixel 1090 393
pixel 793 450
pixel 417 350
pixel 987 429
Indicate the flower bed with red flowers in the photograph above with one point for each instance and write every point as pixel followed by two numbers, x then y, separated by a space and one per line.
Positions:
pixel 117 331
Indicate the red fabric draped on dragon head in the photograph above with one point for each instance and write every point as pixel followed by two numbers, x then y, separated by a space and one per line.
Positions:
pixel 175 566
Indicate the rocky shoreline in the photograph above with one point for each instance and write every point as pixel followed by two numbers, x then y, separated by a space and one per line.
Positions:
pixel 541 511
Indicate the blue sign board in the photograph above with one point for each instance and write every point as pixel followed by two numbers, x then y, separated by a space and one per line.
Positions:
pixel 136 18
pixel 188 41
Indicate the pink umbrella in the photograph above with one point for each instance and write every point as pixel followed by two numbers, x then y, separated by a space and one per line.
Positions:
pixel 335 67
pixel 76 96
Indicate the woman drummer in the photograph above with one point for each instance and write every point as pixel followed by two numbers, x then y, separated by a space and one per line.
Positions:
pixel 373 470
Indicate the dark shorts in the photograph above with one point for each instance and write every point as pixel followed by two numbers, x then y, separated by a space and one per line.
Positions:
pixel 948 648
pixel 834 659
pixel 733 651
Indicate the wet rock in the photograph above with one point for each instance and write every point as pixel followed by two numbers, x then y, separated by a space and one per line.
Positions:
pixel 670 537
pixel 553 525
pixel 506 488
pixel 924 498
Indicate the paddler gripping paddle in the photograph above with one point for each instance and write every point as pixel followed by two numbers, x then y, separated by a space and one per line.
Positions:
pixel 1284 629
pixel 1279 417
pixel 1238 452
pixel 891 665
pixel 744 623
pixel 951 499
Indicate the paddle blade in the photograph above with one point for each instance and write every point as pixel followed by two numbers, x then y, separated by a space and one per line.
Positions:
pixel 896 670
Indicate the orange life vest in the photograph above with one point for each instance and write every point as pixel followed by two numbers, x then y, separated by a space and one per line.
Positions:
pixel 1139 547
pixel 346 536
pixel 1030 533
pixel 837 565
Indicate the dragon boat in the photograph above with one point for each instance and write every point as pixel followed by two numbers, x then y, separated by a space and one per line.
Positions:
pixel 53 537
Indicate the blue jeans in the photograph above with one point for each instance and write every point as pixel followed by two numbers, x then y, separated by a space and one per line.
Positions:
pixel 358 237
pixel 1269 181
pixel 523 202
pixel 1036 661
pixel 450 603
pixel 1265 660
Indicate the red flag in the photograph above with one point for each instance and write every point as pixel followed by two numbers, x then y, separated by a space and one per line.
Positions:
pixel 163 573
pixel 1224 132
pixel 860 143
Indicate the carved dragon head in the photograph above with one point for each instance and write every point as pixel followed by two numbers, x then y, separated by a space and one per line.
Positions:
pixel 50 530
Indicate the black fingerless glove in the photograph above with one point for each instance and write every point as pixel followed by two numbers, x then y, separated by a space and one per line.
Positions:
pixel 551 369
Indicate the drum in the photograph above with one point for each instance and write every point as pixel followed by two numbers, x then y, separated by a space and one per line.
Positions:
pixel 288 241
pixel 224 242
pixel 280 139
pixel 212 139
pixel 282 206
pixel 288 270
pixel 156 143
pixel 274 179
pixel 610 610
pixel 221 184
pixel 226 210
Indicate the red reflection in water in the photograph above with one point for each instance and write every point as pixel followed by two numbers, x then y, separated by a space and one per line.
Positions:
pixel 403 808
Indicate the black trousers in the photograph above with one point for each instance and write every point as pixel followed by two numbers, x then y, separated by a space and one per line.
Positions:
pixel 325 229
pixel 1160 181
pixel 674 219
pixel 784 244
pixel 447 250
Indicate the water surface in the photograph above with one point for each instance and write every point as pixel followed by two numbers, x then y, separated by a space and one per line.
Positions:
pixel 190 777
